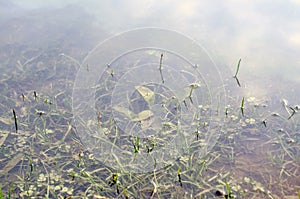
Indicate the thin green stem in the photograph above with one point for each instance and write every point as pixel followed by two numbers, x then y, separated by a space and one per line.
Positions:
pixel 238 68
pixel 242 106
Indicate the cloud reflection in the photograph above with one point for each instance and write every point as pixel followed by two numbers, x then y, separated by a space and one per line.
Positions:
pixel 265 34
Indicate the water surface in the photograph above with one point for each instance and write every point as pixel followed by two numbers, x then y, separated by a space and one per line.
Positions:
pixel 43 44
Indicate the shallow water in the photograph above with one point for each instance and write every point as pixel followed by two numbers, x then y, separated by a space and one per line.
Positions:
pixel 42 47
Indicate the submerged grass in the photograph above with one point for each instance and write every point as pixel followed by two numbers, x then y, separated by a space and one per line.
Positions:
pixel 44 158
pixel 242 106
pixel 15 119
pixel 1 193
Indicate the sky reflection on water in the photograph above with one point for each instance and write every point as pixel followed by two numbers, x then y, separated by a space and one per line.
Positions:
pixel 265 34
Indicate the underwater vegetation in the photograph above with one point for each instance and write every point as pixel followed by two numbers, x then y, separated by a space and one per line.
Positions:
pixel 257 154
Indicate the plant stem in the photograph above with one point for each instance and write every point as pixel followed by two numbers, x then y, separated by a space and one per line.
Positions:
pixel 242 106
pixel 237 70
pixel 160 68
pixel 15 118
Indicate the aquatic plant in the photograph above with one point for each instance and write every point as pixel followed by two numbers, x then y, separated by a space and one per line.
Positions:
pixel 236 72
pixel 257 154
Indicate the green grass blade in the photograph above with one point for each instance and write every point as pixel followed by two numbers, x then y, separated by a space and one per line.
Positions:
pixel 229 192
pixel 242 106
pixel 243 101
pixel 238 68
pixel 1 194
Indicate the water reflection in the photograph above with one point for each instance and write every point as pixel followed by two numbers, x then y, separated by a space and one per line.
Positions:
pixel 265 34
